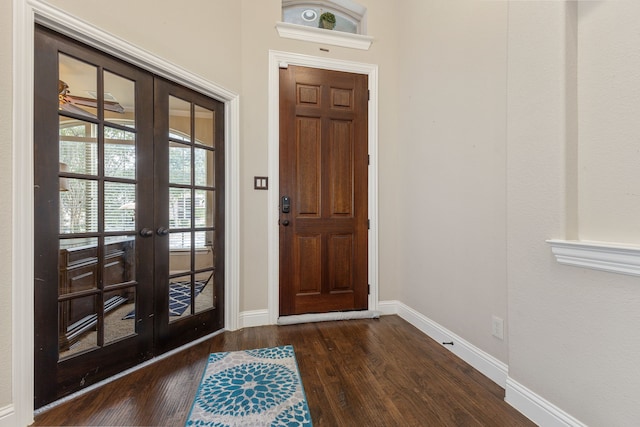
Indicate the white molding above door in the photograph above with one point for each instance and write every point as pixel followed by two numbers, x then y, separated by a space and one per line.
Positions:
pixel 317 35
pixel 25 15
pixel 279 59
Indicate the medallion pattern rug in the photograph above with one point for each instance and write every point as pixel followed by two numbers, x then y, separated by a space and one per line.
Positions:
pixel 251 388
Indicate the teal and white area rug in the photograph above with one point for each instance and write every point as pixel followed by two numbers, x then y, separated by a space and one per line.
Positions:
pixel 251 388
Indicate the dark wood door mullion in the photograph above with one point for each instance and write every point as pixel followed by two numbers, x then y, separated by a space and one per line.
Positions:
pixel 78 117
pixel 100 213
pixel 192 207
pixel 160 214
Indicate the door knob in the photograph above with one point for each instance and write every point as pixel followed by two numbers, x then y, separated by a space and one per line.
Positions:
pixel 285 222
pixel 162 231
pixel 146 232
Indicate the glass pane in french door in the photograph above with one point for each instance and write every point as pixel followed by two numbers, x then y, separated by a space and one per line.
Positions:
pixel 191 209
pixel 97 212
pixel 119 99
pixel 77 85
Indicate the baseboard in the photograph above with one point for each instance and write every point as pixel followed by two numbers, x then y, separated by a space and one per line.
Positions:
pixel 388 307
pixel 248 319
pixel 537 409
pixel 528 403
pixel 493 368
pixel 7 416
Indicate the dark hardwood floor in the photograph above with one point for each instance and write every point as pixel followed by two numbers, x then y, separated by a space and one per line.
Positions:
pixel 355 373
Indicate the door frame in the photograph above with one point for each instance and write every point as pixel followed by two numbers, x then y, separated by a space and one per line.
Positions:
pixel 25 15
pixel 276 59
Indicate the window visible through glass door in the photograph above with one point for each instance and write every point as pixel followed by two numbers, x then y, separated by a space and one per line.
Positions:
pixel 98 188
pixel 191 146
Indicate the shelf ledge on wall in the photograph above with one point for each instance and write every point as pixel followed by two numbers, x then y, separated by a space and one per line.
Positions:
pixel 318 35
pixel 612 257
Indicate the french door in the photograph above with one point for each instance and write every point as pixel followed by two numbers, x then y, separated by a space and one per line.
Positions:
pixel 128 192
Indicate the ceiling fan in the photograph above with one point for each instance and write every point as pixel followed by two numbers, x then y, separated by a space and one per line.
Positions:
pixel 71 103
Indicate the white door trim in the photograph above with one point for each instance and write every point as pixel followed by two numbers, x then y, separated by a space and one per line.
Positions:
pixel 25 15
pixel 277 59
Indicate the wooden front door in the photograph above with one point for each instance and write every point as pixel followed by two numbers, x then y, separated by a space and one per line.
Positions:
pixel 129 190
pixel 323 191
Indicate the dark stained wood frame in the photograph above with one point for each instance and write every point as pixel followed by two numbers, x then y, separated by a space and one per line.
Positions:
pixel 56 378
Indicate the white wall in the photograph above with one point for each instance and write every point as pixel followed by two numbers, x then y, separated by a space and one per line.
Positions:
pixel 609 94
pixel 574 334
pixel 201 36
pixel 6 95
pixel 452 146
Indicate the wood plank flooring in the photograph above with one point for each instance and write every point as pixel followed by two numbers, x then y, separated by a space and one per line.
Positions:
pixel 355 373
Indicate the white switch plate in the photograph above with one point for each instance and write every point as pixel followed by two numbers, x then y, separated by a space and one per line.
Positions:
pixel 260 183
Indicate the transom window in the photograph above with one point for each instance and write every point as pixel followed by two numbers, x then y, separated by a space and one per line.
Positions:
pixel 348 16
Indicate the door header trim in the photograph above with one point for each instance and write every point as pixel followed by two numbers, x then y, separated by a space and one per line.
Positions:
pixel 77 29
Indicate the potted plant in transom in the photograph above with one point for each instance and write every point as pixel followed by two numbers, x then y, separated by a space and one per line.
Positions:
pixel 327 21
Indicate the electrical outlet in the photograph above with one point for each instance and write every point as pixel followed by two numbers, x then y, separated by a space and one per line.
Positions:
pixel 497 327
